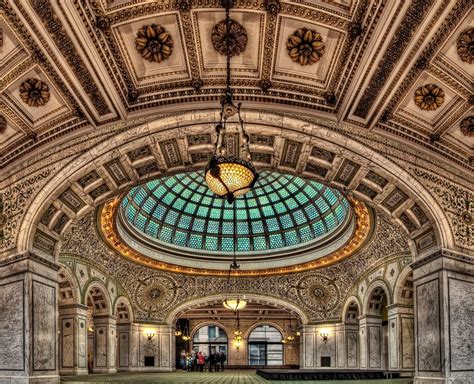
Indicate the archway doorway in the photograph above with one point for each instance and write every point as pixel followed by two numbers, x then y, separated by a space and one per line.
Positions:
pixel 211 328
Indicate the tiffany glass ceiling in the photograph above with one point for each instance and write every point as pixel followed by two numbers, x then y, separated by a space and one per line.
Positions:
pixel 281 211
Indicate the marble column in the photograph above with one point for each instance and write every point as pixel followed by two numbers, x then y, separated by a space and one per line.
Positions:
pixel 351 350
pixel 28 319
pixel 105 338
pixel 444 312
pixel 127 347
pixel 371 345
pixel 401 339
pixel 73 339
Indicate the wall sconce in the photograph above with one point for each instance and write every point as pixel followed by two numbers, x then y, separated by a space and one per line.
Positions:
pixel 150 334
pixel 324 333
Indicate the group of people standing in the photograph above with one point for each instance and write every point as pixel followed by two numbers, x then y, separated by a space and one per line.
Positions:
pixel 198 361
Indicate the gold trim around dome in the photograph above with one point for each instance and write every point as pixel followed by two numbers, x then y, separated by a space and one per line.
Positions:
pixel 108 231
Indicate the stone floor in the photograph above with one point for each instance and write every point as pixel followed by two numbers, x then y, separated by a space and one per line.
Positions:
pixel 229 377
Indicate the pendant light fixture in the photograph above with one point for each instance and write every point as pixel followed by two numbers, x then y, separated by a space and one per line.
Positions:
pixel 230 175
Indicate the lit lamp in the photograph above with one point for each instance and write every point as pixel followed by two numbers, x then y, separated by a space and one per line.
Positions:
pixel 177 330
pixel 230 176
pixel 324 333
pixel 234 304
pixel 150 334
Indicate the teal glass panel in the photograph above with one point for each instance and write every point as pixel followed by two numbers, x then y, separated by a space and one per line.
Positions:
pixel 282 210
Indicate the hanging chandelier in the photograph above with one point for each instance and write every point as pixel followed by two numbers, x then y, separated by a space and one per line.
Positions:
pixel 230 175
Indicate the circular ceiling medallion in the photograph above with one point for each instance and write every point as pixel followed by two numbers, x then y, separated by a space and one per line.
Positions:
pixel 154 43
pixel 319 292
pixel 465 46
pixel 34 92
pixel 286 223
pixel 429 97
pixel 467 126
pixel 155 293
pixel 305 46
pixel 232 39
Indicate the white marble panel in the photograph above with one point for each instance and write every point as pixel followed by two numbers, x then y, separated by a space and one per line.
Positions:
pixel 461 324
pixel 393 344
pixel 351 349
pixel 44 326
pixel 408 343
pixel 428 326
pixel 67 343
pixel 123 349
pixel 82 345
pixel 111 346
pixel 100 346
pixel 11 326
pixel 374 346
pixel 309 350
pixel 165 350
pixel 363 347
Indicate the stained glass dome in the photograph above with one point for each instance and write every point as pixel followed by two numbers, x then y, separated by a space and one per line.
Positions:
pixel 281 212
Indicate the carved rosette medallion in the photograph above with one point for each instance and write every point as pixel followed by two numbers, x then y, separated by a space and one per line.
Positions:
pixel 319 292
pixel 154 43
pixel 272 6
pixel 429 97
pixel 155 293
pixel 233 39
pixel 34 92
pixel 467 126
pixel 305 46
pixel 465 46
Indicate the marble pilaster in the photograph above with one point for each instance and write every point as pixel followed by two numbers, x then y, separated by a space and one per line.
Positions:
pixel 371 342
pixel 73 339
pixel 105 338
pixel 444 308
pixel 158 349
pixel 127 347
pixel 401 339
pixel 28 320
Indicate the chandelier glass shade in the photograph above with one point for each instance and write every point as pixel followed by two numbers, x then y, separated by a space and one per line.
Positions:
pixel 229 175
pixel 235 304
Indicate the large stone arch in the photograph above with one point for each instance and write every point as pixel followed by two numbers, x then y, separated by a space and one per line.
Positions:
pixel 174 313
pixel 163 147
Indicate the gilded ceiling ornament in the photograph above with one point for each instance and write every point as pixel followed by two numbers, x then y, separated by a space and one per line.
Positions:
pixel 3 124
pixel 429 97
pixel 34 92
pixel 305 46
pixel 154 43
pixel 467 126
pixel 234 40
pixel 465 46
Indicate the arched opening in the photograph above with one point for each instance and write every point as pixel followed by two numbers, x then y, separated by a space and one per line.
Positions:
pixel 101 331
pixel 351 334
pixel 211 341
pixel 377 328
pixel 211 327
pixel 265 347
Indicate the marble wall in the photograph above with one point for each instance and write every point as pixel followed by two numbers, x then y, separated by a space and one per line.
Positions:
pixel 374 346
pixel 461 329
pixel 408 343
pixel 12 326
pixel 44 326
pixel 428 326
pixel 352 346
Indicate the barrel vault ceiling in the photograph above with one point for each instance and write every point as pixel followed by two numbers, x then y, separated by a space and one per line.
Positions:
pixel 403 69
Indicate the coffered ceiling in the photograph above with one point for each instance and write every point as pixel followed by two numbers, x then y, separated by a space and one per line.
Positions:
pixel 373 57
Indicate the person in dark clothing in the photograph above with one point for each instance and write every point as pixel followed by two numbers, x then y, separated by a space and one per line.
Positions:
pixel 217 358
pixel 222 358
pixel 212 362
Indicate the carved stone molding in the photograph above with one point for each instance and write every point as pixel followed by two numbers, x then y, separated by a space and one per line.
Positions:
pixel 3 124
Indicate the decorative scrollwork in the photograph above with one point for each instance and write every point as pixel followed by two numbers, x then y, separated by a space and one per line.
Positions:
pixel 305 46
pixel 429 97
pixel 233 39
pixel 3 124
pixel 34 92
pixel 154 43
pixel 465 46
